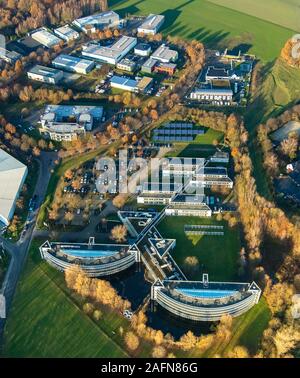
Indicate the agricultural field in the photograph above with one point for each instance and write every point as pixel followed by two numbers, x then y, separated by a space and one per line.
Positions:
pixel 219 26
pixel 217 254
pixel 280 12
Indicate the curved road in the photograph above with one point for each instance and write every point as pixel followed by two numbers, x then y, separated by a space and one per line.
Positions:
pixel 19 250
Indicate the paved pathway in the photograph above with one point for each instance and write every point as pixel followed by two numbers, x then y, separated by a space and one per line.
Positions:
pixel 19 250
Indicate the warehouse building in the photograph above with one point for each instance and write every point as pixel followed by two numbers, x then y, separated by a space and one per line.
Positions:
pixel 164 54
pixel 124 83
pixel 66 123
pixel 142 49
pixel 152 24
pixel 9 56
pixel 45 38
pixel 73 64
pixel 102 20
pixel 12 177
pixel 45 74
pixel 113 54
pixel 66 33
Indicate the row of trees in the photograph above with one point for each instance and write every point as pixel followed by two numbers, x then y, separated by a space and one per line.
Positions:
pixel 19 17
pixel 261 219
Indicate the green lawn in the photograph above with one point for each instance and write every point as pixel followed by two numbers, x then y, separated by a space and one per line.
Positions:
pixel 247 330
pixel 45 321
pixel 218 25
pixel 219 254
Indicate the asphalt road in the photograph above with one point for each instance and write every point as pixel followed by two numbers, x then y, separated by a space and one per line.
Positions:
pixel 19 250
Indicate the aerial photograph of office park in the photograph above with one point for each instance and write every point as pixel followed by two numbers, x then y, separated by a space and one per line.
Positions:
pixel 150 179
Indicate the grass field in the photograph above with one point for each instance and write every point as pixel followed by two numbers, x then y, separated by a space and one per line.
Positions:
pixel 218 254
pixel 280 12
pixel 216 25
pixel 247 330
pixel 43 310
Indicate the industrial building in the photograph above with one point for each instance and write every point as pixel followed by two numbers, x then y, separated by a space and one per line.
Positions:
pixel 101 20
pixel 213 96
pixel 144 84
pixel 213 73
pixel 66 123
pixel 166 68
pixel 66 33
pixel 73 64
pixel 112 54
pixel 151 24
pixel 9 56
pixel 124 83
pixel 142 49
pixel 12 177
pixel 45 74
pixel 149 65
pixel 127 64
pixel 164 54
pixel 45 38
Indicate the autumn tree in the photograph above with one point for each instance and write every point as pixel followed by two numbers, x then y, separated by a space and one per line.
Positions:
pixel 132 341
pixel 119 233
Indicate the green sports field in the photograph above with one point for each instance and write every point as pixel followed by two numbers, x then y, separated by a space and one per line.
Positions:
pixel 245 25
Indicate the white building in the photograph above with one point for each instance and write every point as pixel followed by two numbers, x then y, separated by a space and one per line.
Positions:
pixel 124 83
pixel 73 64
pixel 142 49
pixel 152 24
pixel 45 38
pixel 164 54
pixel 12 177
pixel 66 123
pixel 66 33
pixel 102 20
pixel 45 74
pixel 213 96
pixel 113 54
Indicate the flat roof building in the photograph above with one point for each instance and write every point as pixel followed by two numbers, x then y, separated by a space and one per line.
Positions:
pixel 9 56
pixel 164 54
pixel 112 54
pixel 142 49
pixel 149 65
pixel 213 73
pixel 45 38
pixel 144 84
pixel 101 20
pixel 124 83
pixel 167 68
pixel 213 96
pixel 127 65
pixel 66 33
pixel 151 24
pixel 73 64
pixel 64 122
pixel 45 74
pixel 12 177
